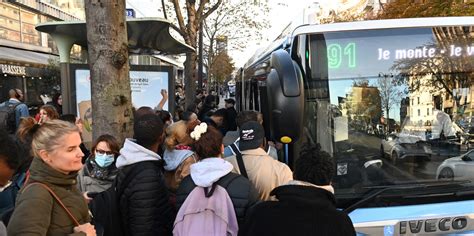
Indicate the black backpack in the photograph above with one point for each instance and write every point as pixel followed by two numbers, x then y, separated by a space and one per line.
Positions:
pixel 105 207
pixel 8 117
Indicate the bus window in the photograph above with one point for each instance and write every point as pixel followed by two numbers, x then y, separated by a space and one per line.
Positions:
pixel 358 92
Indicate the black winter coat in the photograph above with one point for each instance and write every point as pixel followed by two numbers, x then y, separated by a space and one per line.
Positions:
pixel 144 204
pixel 300 210
pixel 239 188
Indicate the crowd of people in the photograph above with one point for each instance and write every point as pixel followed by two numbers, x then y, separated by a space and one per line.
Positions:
pixel 206 171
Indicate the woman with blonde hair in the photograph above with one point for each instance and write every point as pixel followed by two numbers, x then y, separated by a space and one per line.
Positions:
pixel 50 203
pixel 178 154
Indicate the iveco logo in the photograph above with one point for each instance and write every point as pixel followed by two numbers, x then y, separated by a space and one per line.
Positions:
pixel 433 225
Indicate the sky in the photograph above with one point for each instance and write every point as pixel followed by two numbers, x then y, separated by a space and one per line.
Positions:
pixel 281 14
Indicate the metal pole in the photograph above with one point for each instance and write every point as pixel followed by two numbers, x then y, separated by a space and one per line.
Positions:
pixel 66 91
pixel 200 64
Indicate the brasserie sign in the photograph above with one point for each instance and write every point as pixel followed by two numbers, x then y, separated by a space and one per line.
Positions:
pixel 12 69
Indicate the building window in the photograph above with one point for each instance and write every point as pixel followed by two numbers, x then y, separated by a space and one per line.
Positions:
pixel 419 112
pixel 10 35
pixel 30 39
pixel 427 111
pixel 11 28
pixel 9 23
pixel 9 12
pixel 28 17
pixel 418 100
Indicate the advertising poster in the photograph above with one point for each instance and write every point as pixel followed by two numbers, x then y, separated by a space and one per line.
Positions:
pixel 146 91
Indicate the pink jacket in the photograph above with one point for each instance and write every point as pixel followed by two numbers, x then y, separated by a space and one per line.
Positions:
pixel 213 216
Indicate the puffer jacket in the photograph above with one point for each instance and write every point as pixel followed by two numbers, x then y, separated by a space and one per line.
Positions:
pixel 239 188
pixel 144 204
pixel 38 213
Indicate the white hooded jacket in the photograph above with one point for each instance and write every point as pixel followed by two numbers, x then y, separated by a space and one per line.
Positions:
pixel 209 170
pixel 132 153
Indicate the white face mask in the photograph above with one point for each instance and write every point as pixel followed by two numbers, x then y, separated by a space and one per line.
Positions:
pixel 6 186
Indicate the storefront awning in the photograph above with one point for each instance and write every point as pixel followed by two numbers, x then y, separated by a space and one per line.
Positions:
pixel 145 35
pixel 24 56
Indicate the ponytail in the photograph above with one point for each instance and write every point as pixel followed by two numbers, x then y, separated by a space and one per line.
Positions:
pixel 28 126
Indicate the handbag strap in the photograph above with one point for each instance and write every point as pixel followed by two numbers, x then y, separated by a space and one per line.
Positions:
pixel 240 162
pixel 57 200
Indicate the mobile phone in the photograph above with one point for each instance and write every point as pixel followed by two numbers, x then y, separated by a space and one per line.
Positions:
pixel 92 194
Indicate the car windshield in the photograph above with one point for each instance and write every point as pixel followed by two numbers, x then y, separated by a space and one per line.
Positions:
pixel 392 105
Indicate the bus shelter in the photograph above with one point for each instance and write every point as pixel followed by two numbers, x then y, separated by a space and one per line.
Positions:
pixel 148 36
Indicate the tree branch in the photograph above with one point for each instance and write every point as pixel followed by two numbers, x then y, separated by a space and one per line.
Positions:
pixel 210 11
pixel 200 10
pixel 180 18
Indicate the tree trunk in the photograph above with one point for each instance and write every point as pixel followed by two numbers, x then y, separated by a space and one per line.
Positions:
pixel 190 70
pixel 388 119
pixel 108 62
pixel 190 78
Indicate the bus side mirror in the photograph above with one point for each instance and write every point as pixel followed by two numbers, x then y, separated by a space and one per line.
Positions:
pixel 285 97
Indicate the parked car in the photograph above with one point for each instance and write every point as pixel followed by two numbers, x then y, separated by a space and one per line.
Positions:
pixel 403 146
pixel 457 167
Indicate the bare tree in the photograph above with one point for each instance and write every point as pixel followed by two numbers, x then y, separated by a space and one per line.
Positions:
pixel 445 72
pixel 108 62
pixel 196 13
pixel 390 95
pixel 239 22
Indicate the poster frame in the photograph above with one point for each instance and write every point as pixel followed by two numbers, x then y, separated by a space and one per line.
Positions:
pixel 153 68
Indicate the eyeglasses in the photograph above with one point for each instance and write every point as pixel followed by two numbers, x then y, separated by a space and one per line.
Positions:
pixel 102 152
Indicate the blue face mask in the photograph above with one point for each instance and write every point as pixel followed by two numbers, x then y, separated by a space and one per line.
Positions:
pixel 104 160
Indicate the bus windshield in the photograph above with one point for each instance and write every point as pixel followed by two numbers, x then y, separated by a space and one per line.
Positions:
pixel 393 106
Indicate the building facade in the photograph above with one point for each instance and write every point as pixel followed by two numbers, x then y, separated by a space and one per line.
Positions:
pixel 28 58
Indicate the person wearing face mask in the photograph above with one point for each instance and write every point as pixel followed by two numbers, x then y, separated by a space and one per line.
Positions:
pixel 99 170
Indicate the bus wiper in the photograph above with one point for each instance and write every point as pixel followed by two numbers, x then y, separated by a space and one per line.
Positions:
pixel 381 189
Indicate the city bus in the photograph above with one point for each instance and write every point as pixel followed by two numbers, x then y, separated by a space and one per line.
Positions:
pixel 391 102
